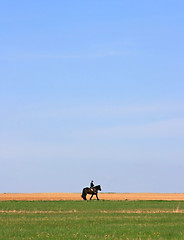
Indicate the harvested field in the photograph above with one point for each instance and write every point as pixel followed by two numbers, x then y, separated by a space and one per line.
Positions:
pixel 102 196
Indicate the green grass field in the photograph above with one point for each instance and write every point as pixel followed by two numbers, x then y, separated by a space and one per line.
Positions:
pixel 91 220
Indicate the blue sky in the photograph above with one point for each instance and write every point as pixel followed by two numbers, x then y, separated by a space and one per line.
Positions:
pixel 92 90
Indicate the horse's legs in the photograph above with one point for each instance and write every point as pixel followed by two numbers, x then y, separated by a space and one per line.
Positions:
pixel 84 196
pixel 97 196
pixel 91 196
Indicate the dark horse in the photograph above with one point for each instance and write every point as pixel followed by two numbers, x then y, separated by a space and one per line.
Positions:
pixel 93 191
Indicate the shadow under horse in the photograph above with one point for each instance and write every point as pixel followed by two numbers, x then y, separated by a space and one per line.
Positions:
pixel 93 191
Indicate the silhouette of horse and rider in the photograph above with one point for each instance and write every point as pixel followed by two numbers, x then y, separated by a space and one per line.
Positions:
pixel 93 190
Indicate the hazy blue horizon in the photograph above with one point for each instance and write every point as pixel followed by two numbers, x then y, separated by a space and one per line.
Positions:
pixel 92 90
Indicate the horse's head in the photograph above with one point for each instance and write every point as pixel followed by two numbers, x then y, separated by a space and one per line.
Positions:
pixel 99 188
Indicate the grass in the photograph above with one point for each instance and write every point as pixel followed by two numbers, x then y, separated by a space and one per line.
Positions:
pixel 91 220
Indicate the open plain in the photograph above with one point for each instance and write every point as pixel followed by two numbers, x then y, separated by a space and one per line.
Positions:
pixel 102 196
pixel 91 220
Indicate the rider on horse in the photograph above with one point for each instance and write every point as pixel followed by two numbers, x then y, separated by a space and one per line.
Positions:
pixel 91 185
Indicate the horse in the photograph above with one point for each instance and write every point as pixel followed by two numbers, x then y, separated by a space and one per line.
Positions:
pixel 93 191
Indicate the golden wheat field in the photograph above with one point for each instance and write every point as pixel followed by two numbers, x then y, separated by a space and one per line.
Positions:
pixel 102 196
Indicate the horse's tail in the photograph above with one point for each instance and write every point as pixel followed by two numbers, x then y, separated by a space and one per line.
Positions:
pixel 83 194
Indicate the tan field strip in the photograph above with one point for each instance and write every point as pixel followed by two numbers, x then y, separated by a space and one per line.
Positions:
pixel 102 196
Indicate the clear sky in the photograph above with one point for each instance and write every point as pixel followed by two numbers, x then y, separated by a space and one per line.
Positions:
pixel 92 90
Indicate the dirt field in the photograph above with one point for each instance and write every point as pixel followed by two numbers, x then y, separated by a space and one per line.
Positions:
pixel 104 196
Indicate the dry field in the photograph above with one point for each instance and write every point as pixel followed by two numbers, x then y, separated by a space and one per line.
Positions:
pixel 104 196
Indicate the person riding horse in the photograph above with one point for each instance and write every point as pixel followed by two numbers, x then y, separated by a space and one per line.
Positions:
pixel 93 190
pixel 91 185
